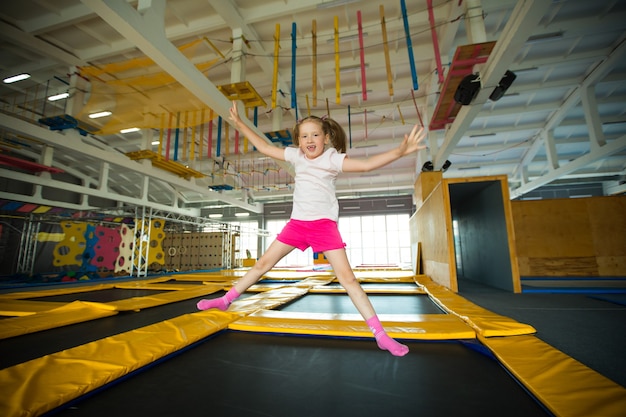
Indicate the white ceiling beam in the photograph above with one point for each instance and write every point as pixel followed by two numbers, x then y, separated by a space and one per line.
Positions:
pixel 572 100
pixel 605 151
pixel 29 41
pixel 523 22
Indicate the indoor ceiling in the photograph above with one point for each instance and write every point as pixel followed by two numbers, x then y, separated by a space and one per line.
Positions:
pixel 562 121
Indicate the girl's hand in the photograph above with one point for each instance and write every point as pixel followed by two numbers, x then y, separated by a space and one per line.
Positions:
pixel 413 141
pixel 234 113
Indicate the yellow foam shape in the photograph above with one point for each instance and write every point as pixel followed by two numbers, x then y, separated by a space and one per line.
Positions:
pixel 56 291
pixel 277 274
pixel 267 300
pixel 385 276
pixel 156 286
pixel 485 322
pixel 565 386
pixel 414 326
pixel 314 281
pixel 138 303
pixel 74 312
pixel 378 290
pixel 25 307
pixel 40 385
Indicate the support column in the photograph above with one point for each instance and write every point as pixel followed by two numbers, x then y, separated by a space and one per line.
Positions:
pixel 238 68
pixel 474 22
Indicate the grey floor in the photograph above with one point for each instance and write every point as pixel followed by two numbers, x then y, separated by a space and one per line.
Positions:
pixel 591 328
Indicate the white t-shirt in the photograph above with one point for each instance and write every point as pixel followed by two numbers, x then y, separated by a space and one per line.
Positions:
pixel 314 194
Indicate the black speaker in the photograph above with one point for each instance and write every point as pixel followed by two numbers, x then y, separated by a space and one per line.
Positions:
pixel 502 86
pixel 468 89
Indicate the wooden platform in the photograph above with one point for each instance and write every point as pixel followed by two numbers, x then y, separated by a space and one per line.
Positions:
pixel 242 91
pixel 159 161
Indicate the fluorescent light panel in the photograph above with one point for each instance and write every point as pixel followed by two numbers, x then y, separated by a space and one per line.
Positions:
pixel 130 130
pixel 335 3
pixel 58 96
pixel 16 78
pixel 99 114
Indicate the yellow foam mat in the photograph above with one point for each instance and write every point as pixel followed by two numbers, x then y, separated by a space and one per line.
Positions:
pixel 267 300
pixel 413 326
pixel 565 386
pixel 377 290
pixel 485 322
pixel 385 276
pixel 75 312
pixel 40 385
pixel 55 291
pixel 25 307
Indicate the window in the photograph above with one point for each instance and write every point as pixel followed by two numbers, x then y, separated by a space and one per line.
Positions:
pixel 377 240
pixel 248 237
pixel 370 240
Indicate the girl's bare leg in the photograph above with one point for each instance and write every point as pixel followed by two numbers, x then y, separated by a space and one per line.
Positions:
pixel 272 255
pixel 339 261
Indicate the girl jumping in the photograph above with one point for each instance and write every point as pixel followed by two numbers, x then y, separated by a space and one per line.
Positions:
pixel 315 211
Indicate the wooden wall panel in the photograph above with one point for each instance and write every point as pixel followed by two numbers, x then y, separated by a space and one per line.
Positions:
pixel 431 227
pixel 571 237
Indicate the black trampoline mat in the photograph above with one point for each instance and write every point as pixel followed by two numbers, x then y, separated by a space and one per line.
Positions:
pixel 100 296
pixel 383 304
pixel 34 345
pixel 246 374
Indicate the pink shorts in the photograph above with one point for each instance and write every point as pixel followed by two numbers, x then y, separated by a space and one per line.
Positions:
pixel 320 235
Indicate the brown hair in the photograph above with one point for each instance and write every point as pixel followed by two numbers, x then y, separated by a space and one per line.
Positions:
pixel 329 126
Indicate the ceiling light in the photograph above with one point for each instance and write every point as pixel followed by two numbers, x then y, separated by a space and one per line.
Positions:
pixel 242 214
pixel 216 216
pixel 16 78
pixel 130 130
pixel 355 93
pixel 99 114
pixel 545 37
pixel 58 97
pixel 154 142
pixel 352 68
pixel 329 4
pixel 347 38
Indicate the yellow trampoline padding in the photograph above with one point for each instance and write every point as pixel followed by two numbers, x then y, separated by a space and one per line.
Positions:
pixel 485 322
pixel 385 276
pixel 166 286
pixel 74 312
pixel 138 303
pixel 25 307
pixel 417 327
pixel 388 289
pixel 40 385
pixel 565 386
pixel 55 291
pixel 267 300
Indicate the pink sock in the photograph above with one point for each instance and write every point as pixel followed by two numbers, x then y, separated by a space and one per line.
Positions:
pixel 221 302
pixel 383 340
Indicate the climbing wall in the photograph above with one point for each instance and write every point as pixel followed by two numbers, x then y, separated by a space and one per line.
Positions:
pixel 194 251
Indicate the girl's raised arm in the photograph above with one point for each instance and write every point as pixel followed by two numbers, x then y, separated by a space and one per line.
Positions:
pixel 259 143
pixel 410 144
